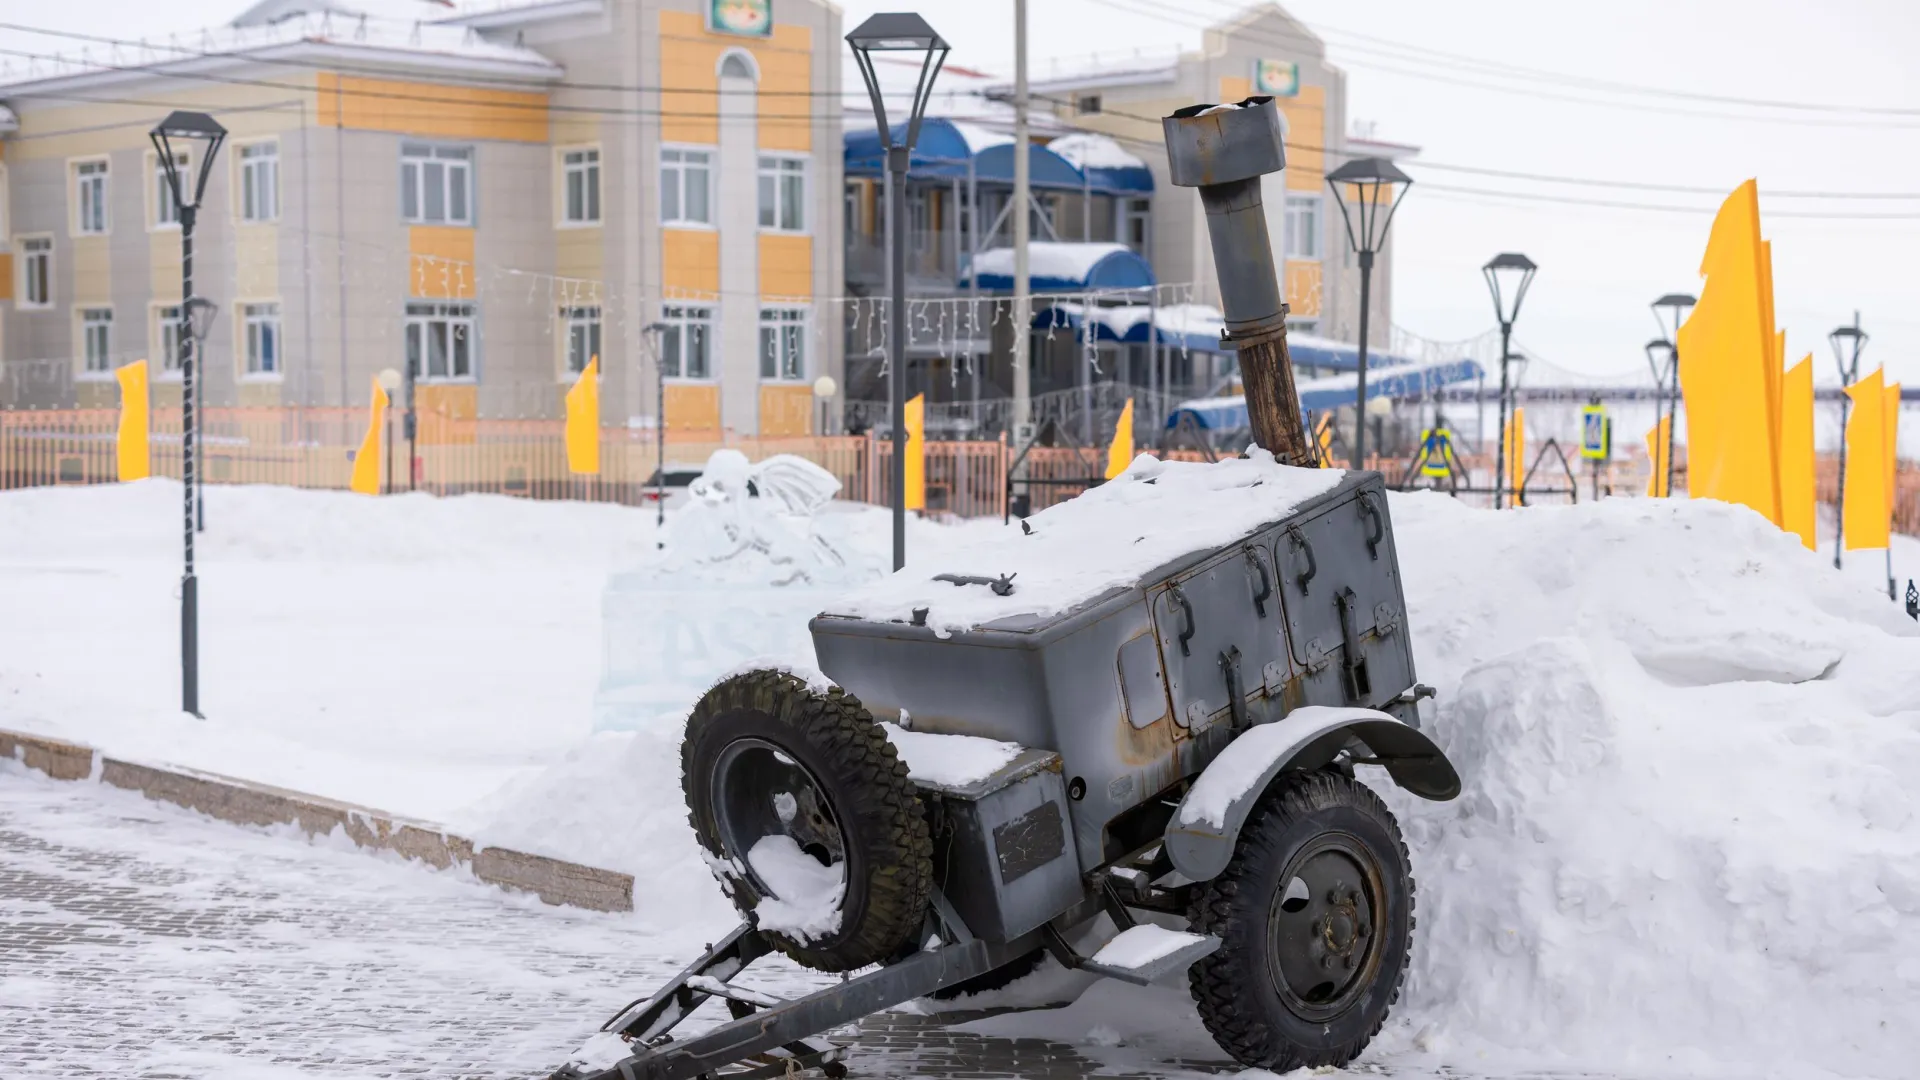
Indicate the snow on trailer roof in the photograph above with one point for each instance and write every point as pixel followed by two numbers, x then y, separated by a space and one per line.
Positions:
pixel 1111 536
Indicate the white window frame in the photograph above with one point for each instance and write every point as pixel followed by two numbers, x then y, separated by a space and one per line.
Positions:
pixel 583 327
pixel 1314 208
pixel 461 319
pixel 23 259
pixel 91 186
pixel 162 192
pixel 777 177
pixel 259 333
pixel 681 321
pixel 163 334
pixel 250 171
pixel 420 159
pixel 95 325
pixel 585 163
pixel 782 344
pixel 674 162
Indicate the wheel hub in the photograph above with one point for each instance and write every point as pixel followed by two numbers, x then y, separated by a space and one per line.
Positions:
pixel 760 791
pixel 1322 927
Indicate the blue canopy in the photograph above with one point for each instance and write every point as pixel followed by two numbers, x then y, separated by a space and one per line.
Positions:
pixel 1053 266
pixel 1309 351
pixel 945 149
pixel 1106 166
pixel 1193 327
pixel 1333 392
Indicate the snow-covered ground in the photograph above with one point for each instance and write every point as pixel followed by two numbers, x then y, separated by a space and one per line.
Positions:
pixel 1687 844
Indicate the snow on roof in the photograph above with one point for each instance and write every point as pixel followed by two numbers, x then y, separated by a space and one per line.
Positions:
pixel 1090 150
pixel 338 28
pixel 1108 537
pixel 1047 259
pixel 979 138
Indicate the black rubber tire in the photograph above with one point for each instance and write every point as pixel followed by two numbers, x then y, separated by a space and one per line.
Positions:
pixel 888 851
pixel 998 979
pixel 1235 987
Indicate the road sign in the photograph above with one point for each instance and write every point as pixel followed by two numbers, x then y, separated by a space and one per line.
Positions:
pixel 1596 434
pixel 1436 451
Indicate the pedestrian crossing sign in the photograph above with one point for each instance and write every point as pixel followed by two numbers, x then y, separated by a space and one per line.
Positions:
pixel 1436 451
pixel 1596 433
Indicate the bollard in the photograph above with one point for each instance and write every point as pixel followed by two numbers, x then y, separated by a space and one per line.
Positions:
pixel 1223 151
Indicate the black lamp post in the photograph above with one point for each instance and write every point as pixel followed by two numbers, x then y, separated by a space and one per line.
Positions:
pixel 200 312
pixel 174 134
pixel 655 332
pixel 1676 306
pixel 1508 275
pixel 1661 355
pixel 1847 342
pixel 909 33
pixel 1378 187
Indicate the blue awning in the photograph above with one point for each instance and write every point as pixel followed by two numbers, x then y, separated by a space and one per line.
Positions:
pixel 1309 351
pixel 1061 267
pixel 1192 327
pixel 1333 392
pixel 946 148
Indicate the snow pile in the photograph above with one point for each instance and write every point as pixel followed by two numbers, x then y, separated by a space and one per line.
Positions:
pixel 1153 514
pixel 952 761
pixel 806 893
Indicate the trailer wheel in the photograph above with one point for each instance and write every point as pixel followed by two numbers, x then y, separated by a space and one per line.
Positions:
pixel 998 979
pixel 1315 916
pixel 795 791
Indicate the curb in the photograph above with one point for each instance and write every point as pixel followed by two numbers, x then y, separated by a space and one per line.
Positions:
pixel 245 803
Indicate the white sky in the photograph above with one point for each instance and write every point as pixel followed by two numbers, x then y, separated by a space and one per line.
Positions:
pixel 1599 266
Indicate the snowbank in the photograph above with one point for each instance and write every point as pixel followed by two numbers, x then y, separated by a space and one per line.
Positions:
pixel 1155 512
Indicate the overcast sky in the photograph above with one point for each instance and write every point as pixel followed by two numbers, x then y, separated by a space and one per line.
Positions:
pixel 1421 73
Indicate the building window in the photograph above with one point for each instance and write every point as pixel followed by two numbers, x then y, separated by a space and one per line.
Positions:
pixel 90 197
pixel 850 207
pixel 260 181
pixel 440 340
pixel 166 209
pixel 436 184
pixel 686 346
pixel 261 323
pixel 1086 104
pixel 1136 223
pixel 96 339
pixel 686 187
pixel 581 176
pixel 36 272
pixel 783 343
pixel 583 336
pixel 783 193
pixel 166 331
pixel 1303 226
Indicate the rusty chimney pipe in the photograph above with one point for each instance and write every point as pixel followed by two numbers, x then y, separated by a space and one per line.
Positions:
pixel 1224 150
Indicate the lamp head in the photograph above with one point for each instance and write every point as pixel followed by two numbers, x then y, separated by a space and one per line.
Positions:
pixel 824 387
pixel 200 315
pixel 1659 358
pixel 1847 342
pixel 1368 191
pixel 903 32
pixel 1508 274
pixel 1676 306
pixel 173 136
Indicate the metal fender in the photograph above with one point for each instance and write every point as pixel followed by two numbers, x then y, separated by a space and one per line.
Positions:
pixel 1201 837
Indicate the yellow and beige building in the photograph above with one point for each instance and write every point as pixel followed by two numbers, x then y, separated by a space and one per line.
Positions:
pixel 492 192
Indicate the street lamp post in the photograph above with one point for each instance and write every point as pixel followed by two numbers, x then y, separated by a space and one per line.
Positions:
pixel 1378 186
pixel 1662 361
pixel 390 382
pixel 823 390
pixel 172 136
pixel 898 32
pixel 1676 306
pixel 1508 275
pixel 1847 342
pixel 655 332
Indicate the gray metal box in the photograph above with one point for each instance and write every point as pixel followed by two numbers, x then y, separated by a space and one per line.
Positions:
pixel 1003 852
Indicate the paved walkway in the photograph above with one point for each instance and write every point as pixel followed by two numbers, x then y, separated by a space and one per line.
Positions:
pixel 141 941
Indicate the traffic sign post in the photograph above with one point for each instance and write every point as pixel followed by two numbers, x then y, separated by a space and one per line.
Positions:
pixel 1596 440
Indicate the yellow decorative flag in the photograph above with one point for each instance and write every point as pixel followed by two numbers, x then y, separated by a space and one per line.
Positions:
pixel 1657 446
pixel 1120 454
pixel 916 464
pixel 366 463
pixel 1869 512
pixel 1323 439
pixel 583 421
pixel 1516 437
pixel 130 445
pixel 1727 359
pixel 1796 451
pixel 1892 436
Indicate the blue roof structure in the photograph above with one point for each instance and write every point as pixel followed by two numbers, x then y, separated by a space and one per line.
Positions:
pixel 1336 391
pixel 1192 327
pixel 1054 266
pixel 946 148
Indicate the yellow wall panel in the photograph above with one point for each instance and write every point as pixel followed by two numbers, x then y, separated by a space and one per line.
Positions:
pixel 256 260
pixel 786 74
pixel 430 109
pixel 6 276
pixel 1303 289
pixel 442 261
pixel 1234 89
pixel 163 264
pixel 691 260
pixel 1306 136
pixel 785 410
pixel 786 265
pixel 693 408
pixel 580 253
pixel 92 271
pixel 447 412
pixel 260 395
pixel 689 75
